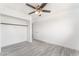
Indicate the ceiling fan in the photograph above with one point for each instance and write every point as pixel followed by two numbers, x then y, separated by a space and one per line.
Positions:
pixel 38 9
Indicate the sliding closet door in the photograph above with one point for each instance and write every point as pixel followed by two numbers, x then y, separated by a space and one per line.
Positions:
pixel 13 30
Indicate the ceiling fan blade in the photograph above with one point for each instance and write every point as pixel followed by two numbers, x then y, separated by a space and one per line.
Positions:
pixel 30 6
pixel 31 12
pixel 46 11
pixel 43 5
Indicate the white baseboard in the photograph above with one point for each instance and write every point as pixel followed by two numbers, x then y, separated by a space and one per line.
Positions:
pixel 59 43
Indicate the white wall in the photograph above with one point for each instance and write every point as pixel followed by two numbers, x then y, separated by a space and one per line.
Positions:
pixel 60 27
pixel 12 34
pixel 0 34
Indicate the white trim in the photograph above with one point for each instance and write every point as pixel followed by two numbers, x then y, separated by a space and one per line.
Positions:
pixel 30 30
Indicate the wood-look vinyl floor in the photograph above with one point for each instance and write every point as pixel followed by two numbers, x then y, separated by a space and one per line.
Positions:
pixel 37 48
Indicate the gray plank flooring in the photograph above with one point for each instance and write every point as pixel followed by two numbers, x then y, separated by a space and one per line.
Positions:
pixel 37 48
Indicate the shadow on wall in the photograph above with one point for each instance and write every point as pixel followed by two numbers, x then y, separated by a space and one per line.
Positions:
pixel 61 29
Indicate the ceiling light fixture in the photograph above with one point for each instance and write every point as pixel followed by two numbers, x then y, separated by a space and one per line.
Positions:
pixel 38 9
pixel 38 12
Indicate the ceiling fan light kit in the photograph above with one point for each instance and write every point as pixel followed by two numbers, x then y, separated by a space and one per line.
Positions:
pixel 38 12
pixel 38 9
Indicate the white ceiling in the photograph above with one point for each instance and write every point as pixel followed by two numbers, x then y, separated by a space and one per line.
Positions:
pixel 21 7
pixel 54 7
